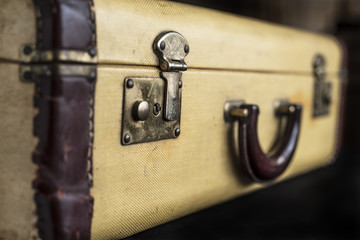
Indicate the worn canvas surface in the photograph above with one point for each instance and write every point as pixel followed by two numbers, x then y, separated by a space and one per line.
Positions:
pixel 17 209
pixel 140 186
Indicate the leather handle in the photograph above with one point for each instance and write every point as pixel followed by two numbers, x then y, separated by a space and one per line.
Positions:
pixel 260 166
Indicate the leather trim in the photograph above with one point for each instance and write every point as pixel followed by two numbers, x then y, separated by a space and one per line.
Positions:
pixel 343 97
pixel 64 124
pixel 65 25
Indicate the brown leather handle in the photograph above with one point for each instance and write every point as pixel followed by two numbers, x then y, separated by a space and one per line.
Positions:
pixel 260 166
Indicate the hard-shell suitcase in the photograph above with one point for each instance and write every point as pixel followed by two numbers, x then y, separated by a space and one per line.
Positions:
pixel 120 115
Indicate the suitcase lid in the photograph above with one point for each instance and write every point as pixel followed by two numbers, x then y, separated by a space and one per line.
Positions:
pixel 127 29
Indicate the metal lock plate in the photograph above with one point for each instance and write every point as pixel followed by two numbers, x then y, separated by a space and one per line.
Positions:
pixel 322 98
pixel 153 127
pixel 152 106
pixel 322 89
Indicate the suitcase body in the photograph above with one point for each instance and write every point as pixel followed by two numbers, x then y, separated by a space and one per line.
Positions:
pixel 118 148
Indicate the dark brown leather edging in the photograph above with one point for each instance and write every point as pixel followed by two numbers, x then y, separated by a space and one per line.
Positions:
pixel 65 25
pixel 64 124
pixel 343 93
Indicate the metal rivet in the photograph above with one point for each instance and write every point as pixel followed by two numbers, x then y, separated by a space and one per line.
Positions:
pixel 157 109
pixel 92 52
pixel 186 48
pixel 129 83
pixel 177 132
pixel 141 110
pixel 27 50
pixel 92 75
pixel 162 45
pixel 126 138
pixel 291 109
pixel 27 75
pixel 180 84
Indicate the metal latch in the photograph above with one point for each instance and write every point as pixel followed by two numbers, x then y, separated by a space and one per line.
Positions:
pixel 152 106
pixel 322 89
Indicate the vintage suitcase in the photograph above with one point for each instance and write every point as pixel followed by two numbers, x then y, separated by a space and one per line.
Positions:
pixel 120 115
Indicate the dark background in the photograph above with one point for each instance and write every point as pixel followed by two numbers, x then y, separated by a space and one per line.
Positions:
pixel 323 204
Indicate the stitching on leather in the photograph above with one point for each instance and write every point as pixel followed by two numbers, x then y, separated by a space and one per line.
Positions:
pixel 39 24
pixel 91 136
pixel 93 22
pixel 39 43
pixel 91 112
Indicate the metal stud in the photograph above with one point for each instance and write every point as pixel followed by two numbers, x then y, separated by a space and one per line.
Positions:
pixel 92 75
pixel 162 45
pixel 186 48
pixel 27 50
pixel 27 75
pixel 180 84
pixel 177 132
pixel 92 52
pixel 129 83
pixel 127 138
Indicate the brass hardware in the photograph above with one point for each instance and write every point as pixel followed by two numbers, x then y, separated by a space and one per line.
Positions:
pixel 239 112
pixel 285 109
pixel 139 125
pixel 177 132
pixel 36 63
pixel 127 138
pixel 171 49
pixel 129 83
pixel 233 110
pixel 322 89
pixel 29 54
pixel 141 110
pixel 232 105
pixel 32 72
pixel 172 95
pixel 152 106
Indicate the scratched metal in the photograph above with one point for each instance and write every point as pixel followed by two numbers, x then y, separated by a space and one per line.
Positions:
pixel 155 127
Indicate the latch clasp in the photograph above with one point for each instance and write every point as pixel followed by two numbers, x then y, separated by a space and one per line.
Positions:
pixel 322 89
pixel 171 49
pixel 152 106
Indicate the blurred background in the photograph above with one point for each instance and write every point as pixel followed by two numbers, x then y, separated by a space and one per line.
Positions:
pixel 323 204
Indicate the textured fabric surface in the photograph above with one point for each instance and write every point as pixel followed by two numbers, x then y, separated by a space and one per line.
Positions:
pixel 17 209
pixel 17 27
pixel 140 186
pixel 127 28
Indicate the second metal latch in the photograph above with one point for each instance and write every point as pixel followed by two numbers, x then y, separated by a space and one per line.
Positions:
pixel 322 88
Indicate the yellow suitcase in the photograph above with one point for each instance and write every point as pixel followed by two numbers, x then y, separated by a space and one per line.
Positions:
pixel 146 111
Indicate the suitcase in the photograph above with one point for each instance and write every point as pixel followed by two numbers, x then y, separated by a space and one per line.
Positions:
pixel 118 116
